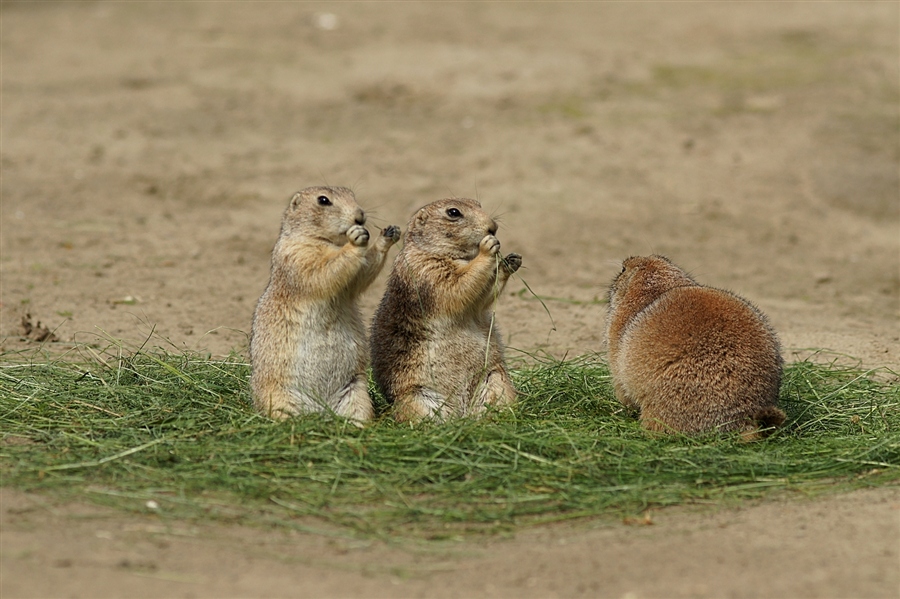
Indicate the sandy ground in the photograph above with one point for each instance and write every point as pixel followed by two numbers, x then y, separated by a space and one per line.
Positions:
pixel 844 546
pixel 148 150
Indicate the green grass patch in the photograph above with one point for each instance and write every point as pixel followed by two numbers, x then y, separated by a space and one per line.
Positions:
pixel 178 431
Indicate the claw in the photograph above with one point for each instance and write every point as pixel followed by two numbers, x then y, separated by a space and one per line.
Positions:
pixel 512 262
pixel 392 232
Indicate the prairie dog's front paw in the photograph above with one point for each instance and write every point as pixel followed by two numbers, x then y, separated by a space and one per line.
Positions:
pixel 391 234
pixel 358 235
pixel 490 245
pixel 512 262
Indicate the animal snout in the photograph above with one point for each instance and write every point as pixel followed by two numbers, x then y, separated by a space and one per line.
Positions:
pixel 492 228
pixel 360 218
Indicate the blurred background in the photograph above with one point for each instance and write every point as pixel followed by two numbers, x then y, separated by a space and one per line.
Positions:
pixel 148 150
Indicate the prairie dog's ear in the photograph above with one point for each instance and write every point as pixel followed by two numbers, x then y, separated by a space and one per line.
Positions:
pixel 295 199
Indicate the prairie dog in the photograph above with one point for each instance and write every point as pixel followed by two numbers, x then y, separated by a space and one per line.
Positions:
pixel 691 358
pixel 308 349
pixel 436 349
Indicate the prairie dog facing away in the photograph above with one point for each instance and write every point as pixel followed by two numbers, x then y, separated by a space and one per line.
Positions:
pixel 691 358
pixel 436 349
pixel 308 349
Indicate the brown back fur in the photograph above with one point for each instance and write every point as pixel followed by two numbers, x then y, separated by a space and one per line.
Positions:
pixel 691 358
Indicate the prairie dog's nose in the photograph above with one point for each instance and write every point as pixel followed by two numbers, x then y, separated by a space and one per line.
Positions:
pixel 492 228
pixel 360 218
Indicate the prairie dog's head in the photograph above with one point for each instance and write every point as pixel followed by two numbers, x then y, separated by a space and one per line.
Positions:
pixel 451 227
pixel 642 280
pixel 322 212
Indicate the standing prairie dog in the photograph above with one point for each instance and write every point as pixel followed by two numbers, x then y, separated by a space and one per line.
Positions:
pixel 691 358
pixel 436 350
pixel 308 347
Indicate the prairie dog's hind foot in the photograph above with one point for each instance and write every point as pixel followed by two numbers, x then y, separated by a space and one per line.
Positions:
pixel 353 401
pixel 496 391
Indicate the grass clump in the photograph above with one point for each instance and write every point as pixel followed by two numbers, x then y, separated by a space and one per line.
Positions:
pixel 178 429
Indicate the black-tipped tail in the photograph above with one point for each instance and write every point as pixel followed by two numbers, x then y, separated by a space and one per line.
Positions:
pixel 769 417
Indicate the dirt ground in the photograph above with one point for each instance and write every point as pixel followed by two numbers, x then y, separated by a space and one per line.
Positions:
pixel 148 150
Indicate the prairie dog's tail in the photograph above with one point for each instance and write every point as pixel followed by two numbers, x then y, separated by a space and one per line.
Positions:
pixel 765 420
pixel 769 417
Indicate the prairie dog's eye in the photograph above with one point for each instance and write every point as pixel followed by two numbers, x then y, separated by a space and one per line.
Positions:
pixel 454 213
pixel 323 201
